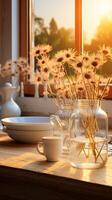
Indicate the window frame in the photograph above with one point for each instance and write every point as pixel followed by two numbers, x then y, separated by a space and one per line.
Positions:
pixel 23 27
pixel 78 25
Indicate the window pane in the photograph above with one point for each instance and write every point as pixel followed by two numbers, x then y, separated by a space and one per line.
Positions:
pixel 54 23
pixel 97 26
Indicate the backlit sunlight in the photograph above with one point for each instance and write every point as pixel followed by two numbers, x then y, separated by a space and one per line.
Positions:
pixel 93 12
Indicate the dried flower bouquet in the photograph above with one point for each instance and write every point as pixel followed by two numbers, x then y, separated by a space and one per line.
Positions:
pixel 70 76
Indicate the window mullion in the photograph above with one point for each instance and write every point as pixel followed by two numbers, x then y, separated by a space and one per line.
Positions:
pixel 78 25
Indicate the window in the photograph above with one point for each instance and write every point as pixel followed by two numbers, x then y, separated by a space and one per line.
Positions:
pixel 56 22
pixel 84 25
pixel 56 27
pixel 60 29
pixel 86 15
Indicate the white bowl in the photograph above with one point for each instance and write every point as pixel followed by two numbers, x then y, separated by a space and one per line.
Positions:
pixel 27 136
pixel 27 123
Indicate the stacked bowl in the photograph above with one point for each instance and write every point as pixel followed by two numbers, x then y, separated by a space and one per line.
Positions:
pixel 27 129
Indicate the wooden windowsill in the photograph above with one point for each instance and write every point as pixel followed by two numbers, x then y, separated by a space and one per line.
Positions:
pixel 29 90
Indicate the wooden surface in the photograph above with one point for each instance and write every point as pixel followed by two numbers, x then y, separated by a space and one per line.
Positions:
pixel 22 166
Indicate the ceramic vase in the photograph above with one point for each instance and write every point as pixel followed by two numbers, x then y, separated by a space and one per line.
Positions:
pixel 9 107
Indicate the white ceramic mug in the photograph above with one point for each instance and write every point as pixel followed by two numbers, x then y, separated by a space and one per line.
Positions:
pixel 51 147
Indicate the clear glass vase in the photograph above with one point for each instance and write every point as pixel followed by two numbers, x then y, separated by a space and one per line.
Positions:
pixel 88 135
pixel 60 122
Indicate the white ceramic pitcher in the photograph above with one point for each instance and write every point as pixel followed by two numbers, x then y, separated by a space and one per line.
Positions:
pixel 9 107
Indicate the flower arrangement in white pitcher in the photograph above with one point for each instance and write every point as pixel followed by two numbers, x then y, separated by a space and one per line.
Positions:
pixel 15 70
pixel 12 75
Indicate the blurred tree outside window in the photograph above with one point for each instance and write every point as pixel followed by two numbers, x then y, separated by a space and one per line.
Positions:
pixel 54 23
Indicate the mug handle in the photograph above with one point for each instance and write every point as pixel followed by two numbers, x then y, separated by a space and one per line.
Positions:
pixel 40 144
